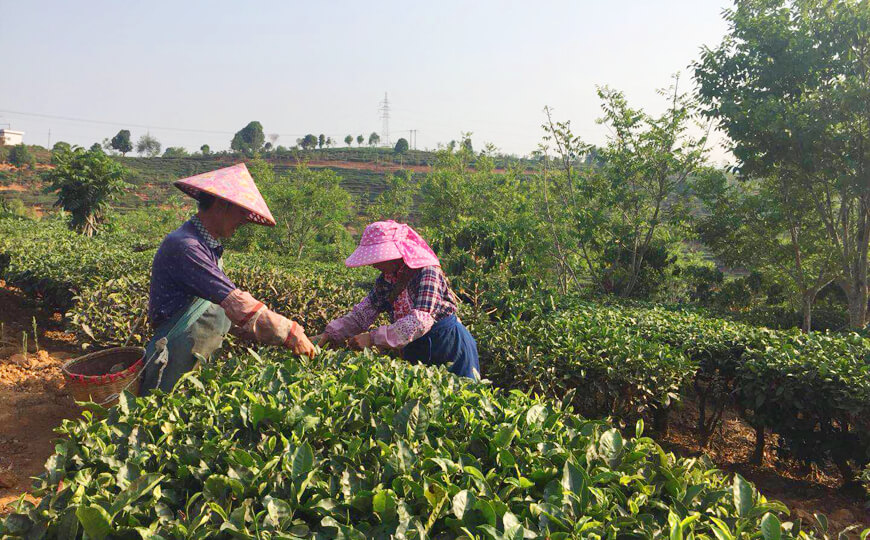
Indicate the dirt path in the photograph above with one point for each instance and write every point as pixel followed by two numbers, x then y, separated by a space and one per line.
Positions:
pixel 805 492
pixel 32 400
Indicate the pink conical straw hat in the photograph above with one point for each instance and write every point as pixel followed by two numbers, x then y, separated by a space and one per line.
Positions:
pixel 233 184
pixel 387 241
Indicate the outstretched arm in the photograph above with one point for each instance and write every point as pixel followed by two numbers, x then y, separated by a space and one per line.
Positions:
pixel 258 322
pixel 358 320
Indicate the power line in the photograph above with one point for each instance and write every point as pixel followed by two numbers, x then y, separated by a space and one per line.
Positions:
pixel 142 126
pixel 107 123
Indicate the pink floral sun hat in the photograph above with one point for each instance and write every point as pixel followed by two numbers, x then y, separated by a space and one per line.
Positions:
pixel 233 184
pixel 387 241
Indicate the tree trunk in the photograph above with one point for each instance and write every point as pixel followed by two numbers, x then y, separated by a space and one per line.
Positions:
pixel 856 294
pixel 758 453
pixel 807 308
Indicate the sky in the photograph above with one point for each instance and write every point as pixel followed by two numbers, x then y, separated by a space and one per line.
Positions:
pixel 195 72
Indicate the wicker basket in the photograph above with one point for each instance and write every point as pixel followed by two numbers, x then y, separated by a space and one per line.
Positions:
pixel 89 378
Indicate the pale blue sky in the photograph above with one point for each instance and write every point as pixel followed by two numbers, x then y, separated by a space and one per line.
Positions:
pixel 322 67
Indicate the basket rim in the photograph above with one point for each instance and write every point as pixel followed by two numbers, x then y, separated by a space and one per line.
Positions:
pixel 107 377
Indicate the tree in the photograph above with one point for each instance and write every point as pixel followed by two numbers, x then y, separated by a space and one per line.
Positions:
pixel 483 224
pixel 85 182
pixel 121 142
pixel 348 140
pixel 609 218
pixel 789 86
pixel 396 201
pixel 329 142
pixel 466 142
pixel 359 140
pixel 401 146
pixel 308 142
pixel 58 149
pixel 249 140
pixel 205 150
pixel 321 140
pixel 20 156
pixel 310 206
pixel 267 146
pixel 768 226
pixel 175 152
pixel 374 139
pixel 148 145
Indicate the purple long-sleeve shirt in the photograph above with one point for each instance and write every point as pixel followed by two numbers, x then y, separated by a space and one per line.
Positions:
pixel 186 266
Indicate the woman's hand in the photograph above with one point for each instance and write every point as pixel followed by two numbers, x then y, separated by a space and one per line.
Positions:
pixel 299 343
pixel 360 342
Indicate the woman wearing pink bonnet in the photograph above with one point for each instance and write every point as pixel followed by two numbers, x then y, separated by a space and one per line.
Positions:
pixel 413 289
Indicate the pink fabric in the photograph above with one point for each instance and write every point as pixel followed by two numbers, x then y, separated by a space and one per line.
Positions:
pixel 405 330
pixel 357 321
pixel 410 324
pixel 386 241
pixel 255 320
pixel 240 307
pixel 233 184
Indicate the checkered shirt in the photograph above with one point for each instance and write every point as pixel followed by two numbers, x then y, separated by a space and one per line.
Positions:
pixel 428 291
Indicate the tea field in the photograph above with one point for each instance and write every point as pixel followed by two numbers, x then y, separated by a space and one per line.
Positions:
pixel 265 445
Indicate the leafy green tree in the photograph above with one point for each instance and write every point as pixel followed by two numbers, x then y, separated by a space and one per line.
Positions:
pixel 789 86
pixel 249 140
pixel 205 150
pixel 348 140
pixel 374 139
pixel 148 145
pixel 97 147
pixel 20 156
pixel 310 206
pixel 401 146
pixel 321 140
pixel 396 202
pixel 59 148
pixel 769 227
pixel 482 223
pixel 308 142
pixel 466 142
pixel 121 142
pixel 608 218
pixel 85 182
pixel 329 142
pixel 175 152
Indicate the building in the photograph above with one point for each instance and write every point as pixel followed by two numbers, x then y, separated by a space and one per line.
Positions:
pixel 11 138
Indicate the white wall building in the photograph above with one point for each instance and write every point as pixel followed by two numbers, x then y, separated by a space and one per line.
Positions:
pixel 11 138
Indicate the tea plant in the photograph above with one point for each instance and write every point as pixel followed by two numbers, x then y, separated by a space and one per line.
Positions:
pixel 358 446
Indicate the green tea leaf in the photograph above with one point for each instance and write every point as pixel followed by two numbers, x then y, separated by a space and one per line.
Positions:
pixel 95 521
pixel 303 461
pixel 137 489
pixel 743 497
pixel 463 502
pixel 771 529
pixel 536 415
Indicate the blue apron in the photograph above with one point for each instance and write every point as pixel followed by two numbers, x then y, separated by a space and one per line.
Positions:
pixel 448 342
pixel 180 343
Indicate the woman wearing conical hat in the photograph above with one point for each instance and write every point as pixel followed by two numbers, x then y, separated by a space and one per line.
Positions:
pixel 413 289
pixel 192 303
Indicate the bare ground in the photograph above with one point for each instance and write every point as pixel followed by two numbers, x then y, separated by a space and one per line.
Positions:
pixel 32 399
pixel 804 491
